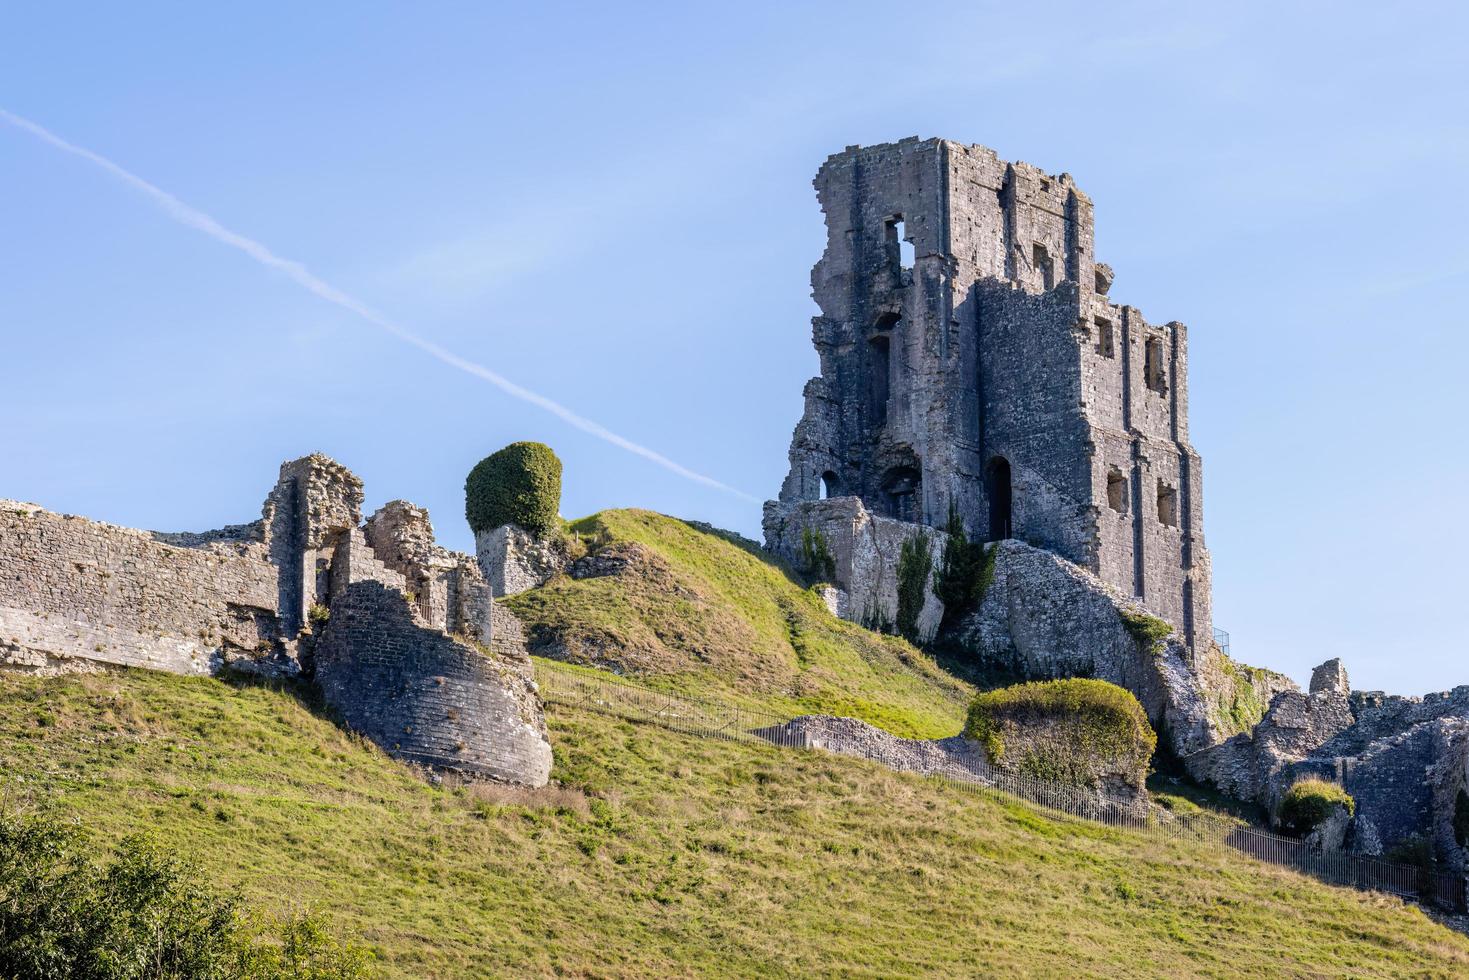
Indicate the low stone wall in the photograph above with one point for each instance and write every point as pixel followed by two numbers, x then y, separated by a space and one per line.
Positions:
pixel 955 757
pixel 74 588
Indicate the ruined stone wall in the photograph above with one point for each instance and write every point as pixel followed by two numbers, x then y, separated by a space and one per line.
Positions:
pixel 422 695
pixel 997 346
pixel 70 587
pixel 369 609
pixel 864 550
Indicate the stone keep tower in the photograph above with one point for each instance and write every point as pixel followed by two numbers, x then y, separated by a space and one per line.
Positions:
pixel 970 355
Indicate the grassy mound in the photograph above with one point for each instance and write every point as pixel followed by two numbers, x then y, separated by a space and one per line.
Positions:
pixel 664 855
pixel 705 612
pixel 1067 730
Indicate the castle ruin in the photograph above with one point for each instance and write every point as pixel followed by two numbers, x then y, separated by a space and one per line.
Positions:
pixel 971 358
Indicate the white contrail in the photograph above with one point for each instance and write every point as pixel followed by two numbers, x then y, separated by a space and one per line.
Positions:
pixel 199 221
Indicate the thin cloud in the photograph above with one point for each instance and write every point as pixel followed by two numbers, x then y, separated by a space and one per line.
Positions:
pixel 298 273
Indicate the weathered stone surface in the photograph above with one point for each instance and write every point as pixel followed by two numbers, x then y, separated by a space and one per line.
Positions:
pixel 1331 678
pixel 1044 617
pixel 1401 759
pixel 514 560
pixel 1250 765
pixel 70 587
pixel 991 373
pixel 378 601
pixel 864 550
pixel 1449 777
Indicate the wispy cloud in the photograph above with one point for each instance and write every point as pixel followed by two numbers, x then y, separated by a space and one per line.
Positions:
pixel 194 218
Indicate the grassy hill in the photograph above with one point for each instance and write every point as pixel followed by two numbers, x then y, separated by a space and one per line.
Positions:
pixel 669 856
pixel 702 611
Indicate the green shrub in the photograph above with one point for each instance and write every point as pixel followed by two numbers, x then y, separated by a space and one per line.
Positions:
pixel 147 913
pixel 816 557
pixel 1148 631
pixel 965 573
pixel 1415 850
pixel 915 561
pixel 1096 720
pixel 520 484
pixel 1311 801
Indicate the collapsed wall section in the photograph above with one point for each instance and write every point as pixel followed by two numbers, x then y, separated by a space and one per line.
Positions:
pixel 424 696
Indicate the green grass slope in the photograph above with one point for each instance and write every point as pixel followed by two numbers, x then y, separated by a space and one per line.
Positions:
pixel 704 612
pixel 664 855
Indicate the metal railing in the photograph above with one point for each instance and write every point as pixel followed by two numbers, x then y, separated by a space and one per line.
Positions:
pixel 709 718
pixel 1221 639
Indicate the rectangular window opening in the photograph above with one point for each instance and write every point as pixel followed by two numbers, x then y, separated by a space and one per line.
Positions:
pixel 1153 365
pixel 1117 491
pixel 900 249
pixel 1106 346
pixel 1167 505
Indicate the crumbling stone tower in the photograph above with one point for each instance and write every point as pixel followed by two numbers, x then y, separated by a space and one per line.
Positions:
pixel 970 356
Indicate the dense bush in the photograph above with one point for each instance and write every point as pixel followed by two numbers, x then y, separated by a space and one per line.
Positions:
pixel 1311 801
pixel 915 561
pixel 145 914
pixel 965 573
pixel 1086 722
pixel 520 484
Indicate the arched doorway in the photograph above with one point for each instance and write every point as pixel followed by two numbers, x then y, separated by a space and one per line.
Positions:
pixel 902 486
pixel 997 489
pixel 831 485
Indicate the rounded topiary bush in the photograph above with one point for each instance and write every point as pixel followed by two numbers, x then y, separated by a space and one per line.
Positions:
pixel 1309 802
pixel 520 484
pixel 1075 730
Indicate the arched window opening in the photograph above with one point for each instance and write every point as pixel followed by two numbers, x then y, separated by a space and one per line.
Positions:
pixel 831 485
pixel 997 489
pixel 1117 490
pixel 902 486
pixel 879 366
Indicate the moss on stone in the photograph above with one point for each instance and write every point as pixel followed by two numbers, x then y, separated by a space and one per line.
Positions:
pixel 1093 722
pixel 1148 631
pixel 1238 706
pixel 1309 802
pixel 816 557
pixel 520 484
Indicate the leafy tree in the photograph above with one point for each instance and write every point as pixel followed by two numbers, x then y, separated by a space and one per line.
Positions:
pixel 520 484
pixel 146 913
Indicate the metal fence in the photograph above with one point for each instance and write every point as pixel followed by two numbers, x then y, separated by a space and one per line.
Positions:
pixel 708 718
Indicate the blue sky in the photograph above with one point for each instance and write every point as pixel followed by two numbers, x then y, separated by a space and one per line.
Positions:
pixel 611 205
